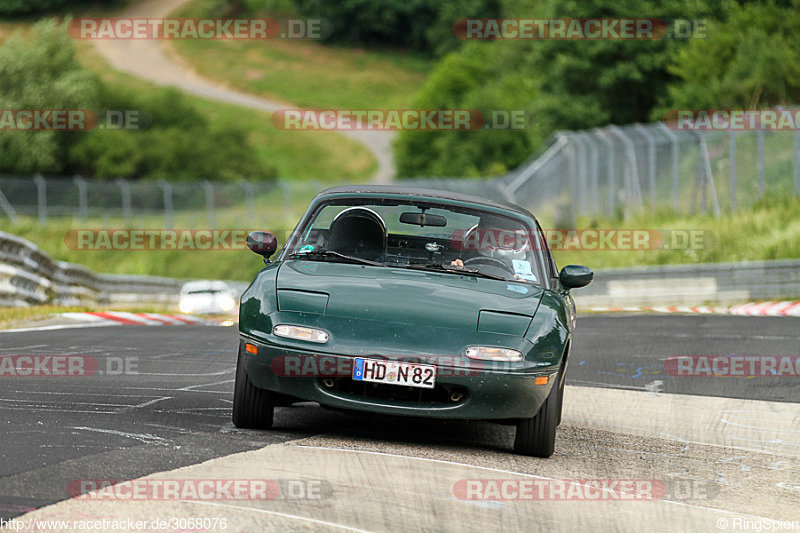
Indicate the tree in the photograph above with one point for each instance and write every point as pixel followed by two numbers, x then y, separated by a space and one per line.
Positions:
pixel 40 71
pixel 750 60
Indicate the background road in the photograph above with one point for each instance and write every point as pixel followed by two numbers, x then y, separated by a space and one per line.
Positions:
pixel 175 411
pixel 147 59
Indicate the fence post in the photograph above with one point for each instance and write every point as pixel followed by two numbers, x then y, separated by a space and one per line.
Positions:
pixel 8 208
pixel 593 161
pixel 709 175
pixel 580 171
pixel 732 165
pixel 41 199
pixel 569 150
pixel 83 202
pixel 796 162
pixel 125 187
pixel 651 163
pixel 760 139
pixel 248 201
pixel 676 166
pixel 208 188
pixel 167 188
pixel 632 174
pixel 612 178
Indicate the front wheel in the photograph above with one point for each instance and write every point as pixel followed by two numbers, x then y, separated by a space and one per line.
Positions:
pixel 537 436
pixel 252 407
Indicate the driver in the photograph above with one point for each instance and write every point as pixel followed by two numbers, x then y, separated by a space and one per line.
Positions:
pixel 489 238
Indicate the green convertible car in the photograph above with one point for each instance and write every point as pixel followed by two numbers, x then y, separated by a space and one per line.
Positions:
pixel 412 302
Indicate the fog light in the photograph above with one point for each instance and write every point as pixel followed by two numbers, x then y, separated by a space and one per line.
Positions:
pixel 489 353
pixel 301 333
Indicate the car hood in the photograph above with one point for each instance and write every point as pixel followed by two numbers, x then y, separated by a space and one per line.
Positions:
pixel 402 296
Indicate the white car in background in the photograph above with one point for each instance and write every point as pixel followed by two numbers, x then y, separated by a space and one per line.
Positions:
pixel 207 298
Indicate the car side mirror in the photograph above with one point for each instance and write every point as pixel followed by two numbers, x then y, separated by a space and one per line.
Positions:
pixel 574 276
pixel 263 243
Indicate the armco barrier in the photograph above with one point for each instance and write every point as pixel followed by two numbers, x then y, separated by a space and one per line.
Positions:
pixel 708 283
pixel 29 276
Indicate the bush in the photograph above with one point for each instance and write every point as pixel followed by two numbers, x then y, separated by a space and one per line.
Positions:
pixel 422 25
pixel 180 144
pixel 41 71
pixel 25 7
pixel 561 84
pixel 750 60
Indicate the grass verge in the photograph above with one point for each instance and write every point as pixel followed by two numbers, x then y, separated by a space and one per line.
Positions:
pixel 768 230
pixel 304 73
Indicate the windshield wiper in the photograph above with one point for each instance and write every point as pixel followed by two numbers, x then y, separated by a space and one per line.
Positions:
pixel 331 253
pixel 455 270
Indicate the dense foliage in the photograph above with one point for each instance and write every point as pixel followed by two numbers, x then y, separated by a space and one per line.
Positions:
pixel 749 59
pixel 423 25
pixel 174 141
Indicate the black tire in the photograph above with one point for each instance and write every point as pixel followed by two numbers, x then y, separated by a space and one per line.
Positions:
pixel 252 407
pixel 537 436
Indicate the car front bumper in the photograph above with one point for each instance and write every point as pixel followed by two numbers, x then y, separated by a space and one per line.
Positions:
pixel 485 393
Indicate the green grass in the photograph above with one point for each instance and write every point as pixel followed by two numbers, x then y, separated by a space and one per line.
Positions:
pixel 771 230
pixel 323 156
pixel 768 230
pixel 305 73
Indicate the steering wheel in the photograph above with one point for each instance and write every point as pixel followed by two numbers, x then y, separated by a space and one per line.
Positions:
pixel 489 261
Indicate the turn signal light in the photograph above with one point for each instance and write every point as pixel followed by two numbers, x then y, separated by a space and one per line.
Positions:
pixel 300 333
pixel 250 348
pixel 490 353
pixel 543 380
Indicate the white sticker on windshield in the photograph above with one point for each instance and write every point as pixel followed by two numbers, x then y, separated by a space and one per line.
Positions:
pixel 523 269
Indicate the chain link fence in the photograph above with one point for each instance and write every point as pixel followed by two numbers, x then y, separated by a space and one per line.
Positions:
pixel 620 170
pixel 614 171
pixel 143 204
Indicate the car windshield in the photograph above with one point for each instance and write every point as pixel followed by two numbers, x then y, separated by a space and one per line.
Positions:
pixel 421 235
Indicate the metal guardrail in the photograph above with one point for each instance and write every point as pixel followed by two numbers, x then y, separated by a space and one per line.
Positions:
pixel 29 276
pixel 706 283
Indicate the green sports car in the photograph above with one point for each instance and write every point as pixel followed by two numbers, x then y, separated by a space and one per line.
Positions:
pixel 413 302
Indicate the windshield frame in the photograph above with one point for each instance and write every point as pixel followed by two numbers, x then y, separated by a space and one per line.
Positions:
pixel 527 220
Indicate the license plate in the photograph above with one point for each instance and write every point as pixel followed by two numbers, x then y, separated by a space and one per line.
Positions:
pixel 394 373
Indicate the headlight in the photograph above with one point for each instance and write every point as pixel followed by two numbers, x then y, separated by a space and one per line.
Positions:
pixel 186 307
pixel 301 333
pixel 227 303
pixel 490 353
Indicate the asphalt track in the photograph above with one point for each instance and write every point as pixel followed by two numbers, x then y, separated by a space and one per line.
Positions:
pixel 625 418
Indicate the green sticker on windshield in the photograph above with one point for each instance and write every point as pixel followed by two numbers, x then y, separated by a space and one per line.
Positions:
pixel 305 249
